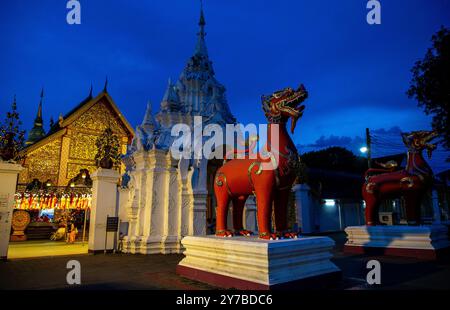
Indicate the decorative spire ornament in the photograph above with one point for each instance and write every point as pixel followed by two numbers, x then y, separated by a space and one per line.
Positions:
pixel 60 119
pixel 37 132
pixel 105 88
pixel 170 101
pixel 200 49
pixel 39 114
pixel 148 117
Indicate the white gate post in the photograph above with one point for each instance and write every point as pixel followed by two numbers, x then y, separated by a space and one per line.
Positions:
pixel 8 182
pixel 305 207
pixel 104 193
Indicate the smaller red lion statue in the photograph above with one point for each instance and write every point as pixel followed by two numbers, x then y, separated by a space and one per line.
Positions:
pixel 239 178
pixel 410 183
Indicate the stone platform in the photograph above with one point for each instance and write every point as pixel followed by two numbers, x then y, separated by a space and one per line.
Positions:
pixel 252 263
pixel 423 242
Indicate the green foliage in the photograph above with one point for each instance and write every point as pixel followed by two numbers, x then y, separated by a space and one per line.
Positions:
pixel 108 150
pixel 430 84
pixel 11 137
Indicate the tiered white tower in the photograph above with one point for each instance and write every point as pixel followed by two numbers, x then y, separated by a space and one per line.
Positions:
pixel 165 198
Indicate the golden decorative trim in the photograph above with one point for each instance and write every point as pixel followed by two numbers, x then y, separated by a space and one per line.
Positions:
pixel 65 146
pixel 88 105
pixel 408 180
pixel 220 183
pixel 370 187
pixel 82 146
pixel 249 171
pixel 43 163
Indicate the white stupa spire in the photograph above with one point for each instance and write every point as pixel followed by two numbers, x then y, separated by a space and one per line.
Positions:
pixel 200 48
pixel 148 117
pixel 170 95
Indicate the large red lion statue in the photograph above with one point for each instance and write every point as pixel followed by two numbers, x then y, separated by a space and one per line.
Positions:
pixel 412 182
pixel 268 177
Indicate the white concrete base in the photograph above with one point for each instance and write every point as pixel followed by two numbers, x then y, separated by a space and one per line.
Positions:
pixel 413 241
pixel 152 245
pixel 252 263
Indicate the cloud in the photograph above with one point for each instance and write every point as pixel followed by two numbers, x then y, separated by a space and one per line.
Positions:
pixel 350 143
pixel 392 131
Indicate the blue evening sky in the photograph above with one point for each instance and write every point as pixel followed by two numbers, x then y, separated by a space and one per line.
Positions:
pixel 356 74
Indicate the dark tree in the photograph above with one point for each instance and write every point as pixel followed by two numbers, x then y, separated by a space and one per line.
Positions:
pixel 11 137
pixel 108 150
pixel 335 159
pixel 430 84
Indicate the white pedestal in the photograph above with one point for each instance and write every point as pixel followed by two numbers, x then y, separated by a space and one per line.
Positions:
pixel 104 194
pixel 423 242
pixel 8 182
pixel 252 263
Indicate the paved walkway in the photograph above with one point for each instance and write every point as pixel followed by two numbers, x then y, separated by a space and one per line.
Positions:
pixel 111 271
pixel 30 249
pixel 122 271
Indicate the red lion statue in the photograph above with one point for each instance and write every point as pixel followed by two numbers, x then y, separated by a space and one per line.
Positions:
pixel 269 177
pixel 411 183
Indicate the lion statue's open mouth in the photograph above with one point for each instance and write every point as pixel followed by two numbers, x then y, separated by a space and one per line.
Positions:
pixel 284 104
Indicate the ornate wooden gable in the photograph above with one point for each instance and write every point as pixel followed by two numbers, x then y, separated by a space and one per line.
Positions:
pixel 62 154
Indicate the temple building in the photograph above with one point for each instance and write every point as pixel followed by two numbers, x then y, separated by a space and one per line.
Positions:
pixel 69 146
pixel 167 198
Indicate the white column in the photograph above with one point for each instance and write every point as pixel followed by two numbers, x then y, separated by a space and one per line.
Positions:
pixel 124 203
pixel 141 189
pixel 172 236
pixel 8 182
pixel 136 208
pixel 200 194
pixel 305 207
pixel 436 209
pixel 156 202
pixel 250 214
pixel 184 177
pixel 104 193
pixel 199 213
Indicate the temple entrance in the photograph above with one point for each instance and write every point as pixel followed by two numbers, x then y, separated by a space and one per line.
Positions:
pixel 50 220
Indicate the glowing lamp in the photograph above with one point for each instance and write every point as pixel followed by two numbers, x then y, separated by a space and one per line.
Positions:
pixel 330 202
